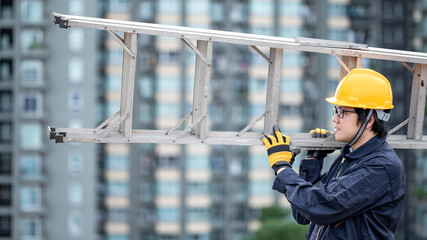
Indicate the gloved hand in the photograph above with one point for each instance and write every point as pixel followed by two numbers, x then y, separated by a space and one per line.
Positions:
pixel 319 154
pixel 279 153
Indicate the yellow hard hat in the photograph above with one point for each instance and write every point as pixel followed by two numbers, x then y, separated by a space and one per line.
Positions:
pixel 363 88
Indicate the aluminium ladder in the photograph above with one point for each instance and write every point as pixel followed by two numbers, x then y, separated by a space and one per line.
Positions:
pixel 118 127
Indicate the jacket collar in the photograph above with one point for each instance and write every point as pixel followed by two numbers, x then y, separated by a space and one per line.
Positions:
pixel 363 150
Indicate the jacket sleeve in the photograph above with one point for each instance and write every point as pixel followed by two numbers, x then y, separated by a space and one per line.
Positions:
pixel 342 197
pixel 309 170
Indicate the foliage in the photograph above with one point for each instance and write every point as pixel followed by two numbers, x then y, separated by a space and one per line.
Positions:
pixel 277 223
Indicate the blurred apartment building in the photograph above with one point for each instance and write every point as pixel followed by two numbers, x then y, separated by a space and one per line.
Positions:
pixel 173 192
pixel 46 77
pixel 51 76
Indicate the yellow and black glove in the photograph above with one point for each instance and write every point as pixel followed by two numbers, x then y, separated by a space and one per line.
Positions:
pixel 279 152
pixel 319 154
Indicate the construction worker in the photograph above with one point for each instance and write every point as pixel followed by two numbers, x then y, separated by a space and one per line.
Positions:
pixel 362 194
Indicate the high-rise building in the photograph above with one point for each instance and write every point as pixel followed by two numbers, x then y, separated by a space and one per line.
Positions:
pixel 158 191
pixel 46 76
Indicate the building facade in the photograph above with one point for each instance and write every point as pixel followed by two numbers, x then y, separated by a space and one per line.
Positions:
pixel 46 189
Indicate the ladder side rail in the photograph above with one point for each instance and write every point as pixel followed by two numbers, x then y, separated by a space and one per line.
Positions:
pixel 273 90
pixel 418 101
pixel 201 88
pixel 245 39
pixel 300 140
pixel 128 82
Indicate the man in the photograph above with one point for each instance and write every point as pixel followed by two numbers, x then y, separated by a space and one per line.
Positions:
pixel 362 195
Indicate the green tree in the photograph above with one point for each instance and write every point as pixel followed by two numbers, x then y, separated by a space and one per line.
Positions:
pixel 277 223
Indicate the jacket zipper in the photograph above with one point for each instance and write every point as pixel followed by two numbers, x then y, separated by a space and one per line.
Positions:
pixel 339 172
pixel 342 164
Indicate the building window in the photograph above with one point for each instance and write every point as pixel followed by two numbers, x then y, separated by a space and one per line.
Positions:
pixel 30 228
pixel 5 226
pixel 30 135
pixel 75 99
pixel 75 194
pixel 6 39
pixel 146 10
pixel 117 237
pixel 6 70
pixel 5 101
pixel 114 56
pixel 239 11
pixel 32 72
pixel 261 8
pixel 31 40
pixel 32 104
pixel 76 7
pixel 5 163
pixel 32 11
pixel 168 57
pixel 169 6
pixel 145 113
pixel 258 188
pixel 293 85
pixel 112 107
pixel 146 87
pixel 5 195
pixel 257 162
pixel 75 224
pixel 289 32
pixel 198 162
pixel 168 214
pixel 168 110
pixel 168 188
pixel 30 166
pixel 76 70
pixel 113 83
pixel 117 188
pixel 75 39
pixel 168 237
pixel 196 236
pixel 119 5
pixel 168 161
pixel 75 163
pixel 198 214
pixel 288 9
pixel 6 11
pixel 146 191
pixel 198 188
pixel 30 198
pixel 118 215
pixel 5 132
pixel 117 162
pixel 198 7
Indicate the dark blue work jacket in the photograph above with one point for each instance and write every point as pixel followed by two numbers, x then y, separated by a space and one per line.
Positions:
pixel 360 197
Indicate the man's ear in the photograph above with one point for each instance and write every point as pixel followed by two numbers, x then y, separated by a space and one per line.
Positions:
pixel 370 122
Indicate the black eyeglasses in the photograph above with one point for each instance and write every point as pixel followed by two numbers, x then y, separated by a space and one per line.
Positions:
pixel 340 112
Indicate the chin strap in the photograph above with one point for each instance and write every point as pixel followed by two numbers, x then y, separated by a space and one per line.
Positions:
pixel 362 128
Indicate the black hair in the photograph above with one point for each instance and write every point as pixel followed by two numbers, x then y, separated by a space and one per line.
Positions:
pixel 379 125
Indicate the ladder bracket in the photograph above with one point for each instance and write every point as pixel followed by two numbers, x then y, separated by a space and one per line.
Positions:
pixel 194 48
pixel 260 53
pixel 342 63
pixel 398 127
pixel 250 125
pixel 407 67
pixel 170 131
pixel 121 42
pixel 187 129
